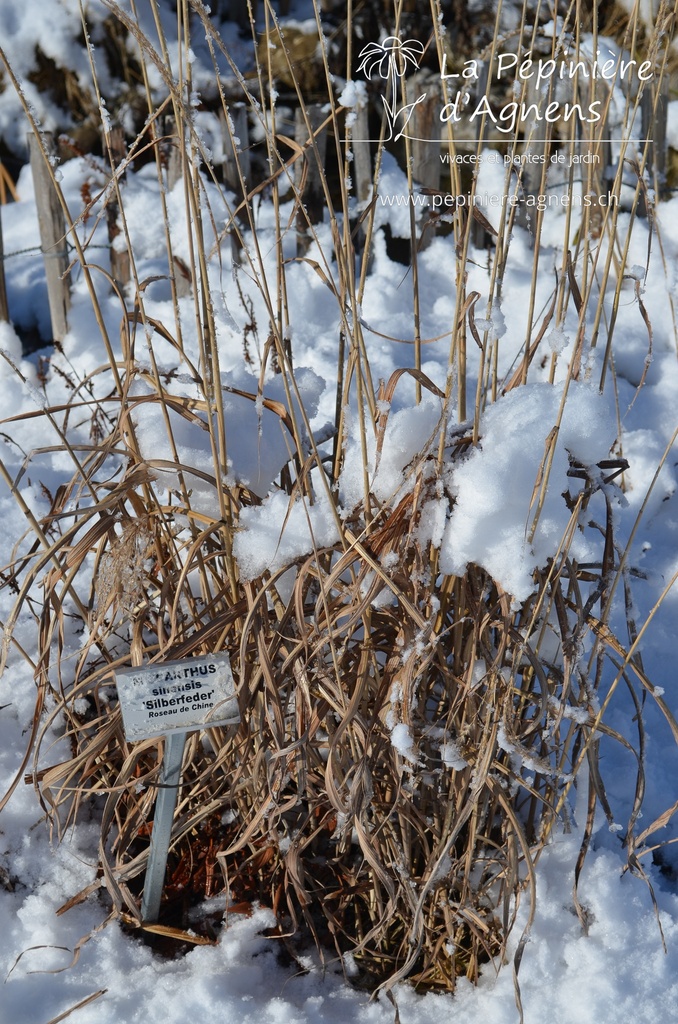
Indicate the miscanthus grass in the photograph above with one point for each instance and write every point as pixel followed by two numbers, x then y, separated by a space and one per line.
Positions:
pixel 399 764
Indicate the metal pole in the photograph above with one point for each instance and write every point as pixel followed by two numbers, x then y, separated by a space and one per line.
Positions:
pixel 170 777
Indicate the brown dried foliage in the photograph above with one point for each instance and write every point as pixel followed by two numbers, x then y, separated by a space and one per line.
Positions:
pixel 411 858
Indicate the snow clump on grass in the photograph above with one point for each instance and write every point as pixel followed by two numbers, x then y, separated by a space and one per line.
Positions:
pixel 495 487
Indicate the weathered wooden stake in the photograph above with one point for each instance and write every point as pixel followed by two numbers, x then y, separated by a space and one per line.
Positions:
pixel 361 166
pixel 175 168
pixel 654 121
pixel 480 89
pixel 596 177
pixel 4 307
pixel 424 128
pixel 52 234
pixel 535 154
pixel 236 154
pixel 424 131
pixel 172 152
pixel 120 263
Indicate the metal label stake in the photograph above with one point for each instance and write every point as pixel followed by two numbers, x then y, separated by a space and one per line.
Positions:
pixel 165 805
pixel 171 699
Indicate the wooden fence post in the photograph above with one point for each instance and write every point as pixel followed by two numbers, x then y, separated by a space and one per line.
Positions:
pixel 361 166
pixel 424 133
pixel 52 234
pixel 424 128
pixel 4 308
pixel 534 154
pixel 174 157
pixel 120 263
pixel 654 112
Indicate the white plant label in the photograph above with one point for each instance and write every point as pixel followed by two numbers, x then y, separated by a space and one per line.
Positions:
pixel 197 693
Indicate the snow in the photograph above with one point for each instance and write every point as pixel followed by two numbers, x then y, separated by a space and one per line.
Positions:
pixel 619 969
pixel 279 531
pixel 403 742
pixel 259 443
pixel 494 487
pixel 409 432
pixel 354 94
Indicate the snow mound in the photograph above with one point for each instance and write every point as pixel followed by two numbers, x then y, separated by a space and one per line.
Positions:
pixel 493 510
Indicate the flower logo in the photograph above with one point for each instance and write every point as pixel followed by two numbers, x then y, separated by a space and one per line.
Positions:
pixel 391 60
pixel 390 57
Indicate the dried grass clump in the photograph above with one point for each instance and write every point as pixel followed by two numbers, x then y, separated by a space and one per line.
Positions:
pixel 407 740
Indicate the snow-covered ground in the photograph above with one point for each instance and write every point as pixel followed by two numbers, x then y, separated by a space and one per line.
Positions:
pixel 626 968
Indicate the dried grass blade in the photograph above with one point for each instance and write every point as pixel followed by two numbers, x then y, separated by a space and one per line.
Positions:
pixel 179 934
pixel 78 1006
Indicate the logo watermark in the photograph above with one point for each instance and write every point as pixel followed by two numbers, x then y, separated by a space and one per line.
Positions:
pixel 390 60
pixel 537 77
pixel 439 202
